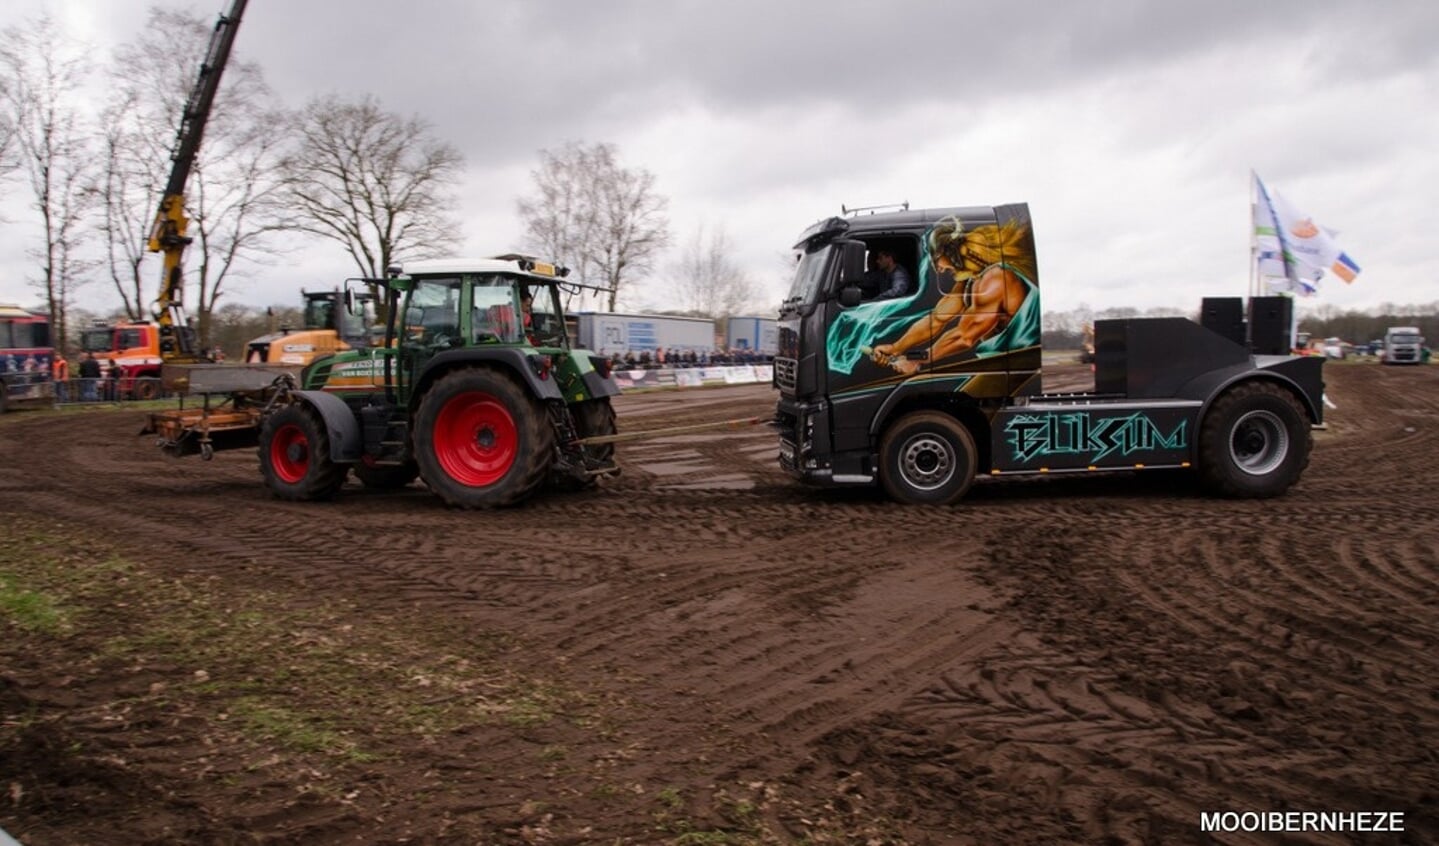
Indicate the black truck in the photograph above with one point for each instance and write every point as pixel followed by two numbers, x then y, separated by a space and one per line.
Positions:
pixel 920 393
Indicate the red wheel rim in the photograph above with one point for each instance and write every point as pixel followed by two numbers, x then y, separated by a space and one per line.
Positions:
pixel 475 439
pixel 290 453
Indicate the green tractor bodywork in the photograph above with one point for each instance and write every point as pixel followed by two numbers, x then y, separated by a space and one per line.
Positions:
pixel 476 390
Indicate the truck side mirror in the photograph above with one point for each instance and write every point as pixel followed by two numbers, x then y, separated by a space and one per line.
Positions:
pixel 850 296
pixel 851 267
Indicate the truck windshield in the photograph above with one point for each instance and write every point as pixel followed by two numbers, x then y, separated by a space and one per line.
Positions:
pixel 1405 338
pixel 809 275
pixel 96 340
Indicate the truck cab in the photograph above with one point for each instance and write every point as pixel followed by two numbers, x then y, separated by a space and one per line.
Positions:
pixel 1403 345
pixel 135 349
pixel 921 393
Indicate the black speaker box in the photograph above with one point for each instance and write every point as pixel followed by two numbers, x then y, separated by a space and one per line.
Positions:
pixel 1224 315
pixel 1271 319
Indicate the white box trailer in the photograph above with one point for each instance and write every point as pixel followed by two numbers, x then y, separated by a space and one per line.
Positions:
pixel 756 334
pixel 608 332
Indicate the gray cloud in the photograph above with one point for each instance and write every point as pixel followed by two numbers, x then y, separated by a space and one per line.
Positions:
pixel 763 116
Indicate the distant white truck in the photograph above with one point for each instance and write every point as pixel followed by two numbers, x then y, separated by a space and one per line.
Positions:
pixel 1403 345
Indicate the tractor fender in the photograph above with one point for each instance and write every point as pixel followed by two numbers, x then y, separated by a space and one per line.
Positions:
pixel 345 442
pixel 511 359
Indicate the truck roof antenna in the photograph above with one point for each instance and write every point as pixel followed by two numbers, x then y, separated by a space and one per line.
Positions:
pixel 847 210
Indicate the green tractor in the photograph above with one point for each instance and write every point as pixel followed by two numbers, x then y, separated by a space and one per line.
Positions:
pixel 476 390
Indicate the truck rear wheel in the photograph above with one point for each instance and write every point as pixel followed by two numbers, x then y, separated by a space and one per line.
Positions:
pixel 927 458
pixel 481 441
pixel 1254 441
pixel 295 456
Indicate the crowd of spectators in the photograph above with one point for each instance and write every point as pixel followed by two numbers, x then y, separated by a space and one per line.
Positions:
pixel 677 358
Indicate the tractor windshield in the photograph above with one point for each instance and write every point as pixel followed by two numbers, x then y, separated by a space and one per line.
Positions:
pixel 545 324
pixel 495 318
pixel 432 314
pixel 320 312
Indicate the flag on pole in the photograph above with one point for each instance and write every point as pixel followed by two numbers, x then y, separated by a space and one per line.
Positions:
pixel 1292 252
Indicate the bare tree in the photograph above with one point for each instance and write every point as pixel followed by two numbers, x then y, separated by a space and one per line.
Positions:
pixel 8 155
pixel 708 280
pixel 44 71
pixel 602 219
pixel 378 184
pixel 559 223
pixel 233 200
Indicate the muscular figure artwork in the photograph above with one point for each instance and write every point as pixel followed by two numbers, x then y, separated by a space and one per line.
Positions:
pixel 991 275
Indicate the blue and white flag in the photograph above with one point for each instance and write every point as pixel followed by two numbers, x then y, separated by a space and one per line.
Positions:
pixel 1291 251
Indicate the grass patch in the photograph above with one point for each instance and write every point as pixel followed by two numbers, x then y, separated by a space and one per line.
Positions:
pixel 318 679
pixel 31 611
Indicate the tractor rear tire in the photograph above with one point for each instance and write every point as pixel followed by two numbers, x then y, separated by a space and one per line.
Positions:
pixel 927 458
pixel 593 418
pixel 295 456
pixel 482 441
pixel 387 477
pixel 1254 442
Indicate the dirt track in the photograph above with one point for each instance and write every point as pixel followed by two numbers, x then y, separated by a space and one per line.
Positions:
pixel 1091 660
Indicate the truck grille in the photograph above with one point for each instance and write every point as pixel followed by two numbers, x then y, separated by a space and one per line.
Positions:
pixel 784 373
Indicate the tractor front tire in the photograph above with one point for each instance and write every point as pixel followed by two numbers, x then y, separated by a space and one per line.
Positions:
pixel 295 456
pixel 927 458
pixel 593 418
pixel 482 441
pixel 1254 442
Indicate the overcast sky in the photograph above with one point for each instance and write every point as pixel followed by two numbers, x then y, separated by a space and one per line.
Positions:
pixel 1130 128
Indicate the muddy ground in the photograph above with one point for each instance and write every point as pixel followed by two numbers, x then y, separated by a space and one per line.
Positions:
pixel 704 652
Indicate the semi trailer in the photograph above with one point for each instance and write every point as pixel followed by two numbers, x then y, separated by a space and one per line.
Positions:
pixel 608 333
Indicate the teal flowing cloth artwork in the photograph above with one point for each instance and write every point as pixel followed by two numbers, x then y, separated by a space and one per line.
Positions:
pixel 861 326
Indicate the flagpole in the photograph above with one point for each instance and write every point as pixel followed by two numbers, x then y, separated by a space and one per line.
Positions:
pixel 1253 238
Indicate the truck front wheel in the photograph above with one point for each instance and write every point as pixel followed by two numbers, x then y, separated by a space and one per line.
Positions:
pixel 481 441
pixel 295 456
pixel 1254 442
pixel 927 458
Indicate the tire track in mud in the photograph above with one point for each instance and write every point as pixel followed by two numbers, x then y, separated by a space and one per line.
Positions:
pixel 1074 659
